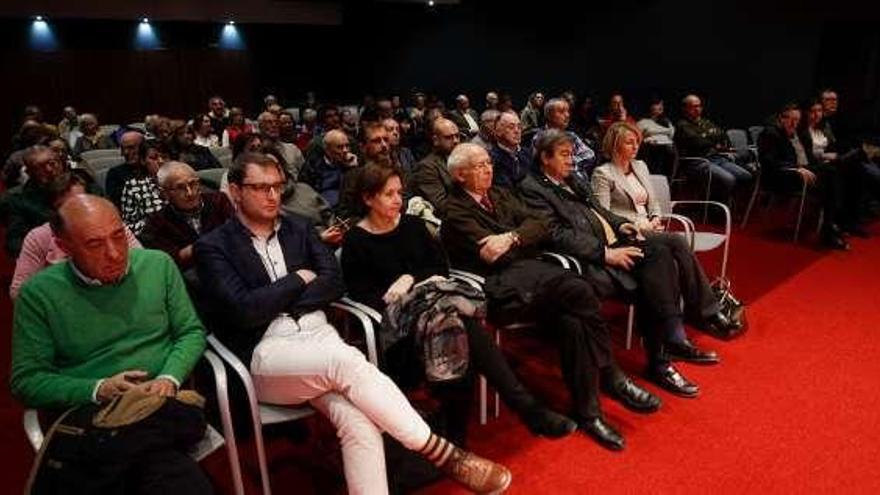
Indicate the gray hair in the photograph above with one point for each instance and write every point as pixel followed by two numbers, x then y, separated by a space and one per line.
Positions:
pixel 553 103
pixel 548 140
pixel 87 117
pixel 168 169
pixel 489 116
pixel 462 155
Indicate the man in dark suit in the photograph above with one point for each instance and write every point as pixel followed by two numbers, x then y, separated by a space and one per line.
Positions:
pixel 789 163
pixel 511 161
pixel 618 261
pixel 487 230
pixel 465 117
pixel 269 276
pixel 430 178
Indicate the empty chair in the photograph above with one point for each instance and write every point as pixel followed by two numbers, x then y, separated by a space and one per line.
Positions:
pixel 699 241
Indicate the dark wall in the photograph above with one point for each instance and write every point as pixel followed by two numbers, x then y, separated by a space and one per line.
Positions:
pixel 745 57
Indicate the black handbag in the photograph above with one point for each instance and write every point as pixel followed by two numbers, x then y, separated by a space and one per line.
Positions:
pixel 729 305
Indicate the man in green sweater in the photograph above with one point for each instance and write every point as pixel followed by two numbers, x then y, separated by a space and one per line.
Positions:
pixel 91 328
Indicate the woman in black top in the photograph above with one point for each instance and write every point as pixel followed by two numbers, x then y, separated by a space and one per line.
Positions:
pixel 383 257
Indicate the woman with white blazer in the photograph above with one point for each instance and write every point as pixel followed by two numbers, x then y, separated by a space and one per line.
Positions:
pixel 624 187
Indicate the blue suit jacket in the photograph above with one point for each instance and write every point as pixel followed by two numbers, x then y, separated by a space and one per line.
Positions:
pixel 241 298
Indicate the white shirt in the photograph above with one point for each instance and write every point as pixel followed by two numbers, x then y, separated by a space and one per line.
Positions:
pixel 270 253
pixel 471 122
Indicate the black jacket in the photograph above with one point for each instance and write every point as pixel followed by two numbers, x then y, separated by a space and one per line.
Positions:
pixel 575 230
pixel 243 299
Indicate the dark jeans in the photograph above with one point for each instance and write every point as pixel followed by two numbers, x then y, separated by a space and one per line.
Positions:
pixel 726 176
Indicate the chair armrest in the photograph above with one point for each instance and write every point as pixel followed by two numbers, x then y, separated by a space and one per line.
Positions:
pixel 562 260
pixel 32 428
pixel 686 223
pixel 366 316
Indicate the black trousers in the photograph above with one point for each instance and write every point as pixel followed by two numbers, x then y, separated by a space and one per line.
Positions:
pixel 569 306
pixel 695 290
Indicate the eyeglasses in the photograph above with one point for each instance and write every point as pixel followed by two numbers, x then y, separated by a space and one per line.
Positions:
pixel 185 187
pixel 277 187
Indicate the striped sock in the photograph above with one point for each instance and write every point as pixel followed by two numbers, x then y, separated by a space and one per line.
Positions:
pixel 437 450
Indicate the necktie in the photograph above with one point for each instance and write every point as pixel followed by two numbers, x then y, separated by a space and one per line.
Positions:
pixel 487 204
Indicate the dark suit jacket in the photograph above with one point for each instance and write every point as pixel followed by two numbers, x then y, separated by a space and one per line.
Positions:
pixel 467 222
pixel 169 231
pixel 243 299
pixel 431 180
pixel 575 230
pixel 509 169
pixel 777 152
pixel 458 117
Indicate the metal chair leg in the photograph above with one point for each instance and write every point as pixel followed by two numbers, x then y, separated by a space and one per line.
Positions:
pixel 800 217
pixel 630 320
pixel 752 199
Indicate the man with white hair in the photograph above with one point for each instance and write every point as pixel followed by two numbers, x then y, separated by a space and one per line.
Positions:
pixel 486 136
pixel 464 116
pixel 511 160
pixel 189 213
pixel 91 138
pixel 489 231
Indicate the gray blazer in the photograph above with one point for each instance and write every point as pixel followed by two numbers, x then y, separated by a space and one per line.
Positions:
pixel 613 192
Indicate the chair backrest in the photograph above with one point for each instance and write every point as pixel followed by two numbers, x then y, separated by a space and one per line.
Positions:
pixel 93 154
pixel 138 125
pixel 101 178
pixel 223 155
pixel 739 139
pixel 109 129
pixel 98 164
pixel 211 177
pixel 754 132
pixel 660 185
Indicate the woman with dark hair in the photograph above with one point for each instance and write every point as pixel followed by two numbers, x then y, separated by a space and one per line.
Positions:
pixel 658 148
pixel 183 148
pixel 204 131
pixel 140 193
pixel 246 142
pixel 390 260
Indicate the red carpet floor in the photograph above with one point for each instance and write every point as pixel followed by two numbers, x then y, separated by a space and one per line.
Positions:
pixel 793 408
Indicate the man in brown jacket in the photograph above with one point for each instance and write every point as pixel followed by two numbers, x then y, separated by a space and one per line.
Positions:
pixel 489 231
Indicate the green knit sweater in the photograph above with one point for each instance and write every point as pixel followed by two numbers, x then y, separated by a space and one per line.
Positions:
pixel 68 335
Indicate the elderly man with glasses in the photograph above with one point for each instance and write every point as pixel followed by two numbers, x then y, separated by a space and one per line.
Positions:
pixel 189 214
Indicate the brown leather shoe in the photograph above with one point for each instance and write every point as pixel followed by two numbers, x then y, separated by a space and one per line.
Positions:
pixel 475 473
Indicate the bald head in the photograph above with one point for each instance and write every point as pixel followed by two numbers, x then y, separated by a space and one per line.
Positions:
pixel 91 232
pixel 692 107
pixel 336 146
pixel 445 136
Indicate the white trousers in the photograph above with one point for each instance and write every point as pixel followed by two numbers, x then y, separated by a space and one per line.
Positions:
pixel 306 361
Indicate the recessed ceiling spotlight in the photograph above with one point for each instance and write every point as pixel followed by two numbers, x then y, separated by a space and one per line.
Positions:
pixel 145 21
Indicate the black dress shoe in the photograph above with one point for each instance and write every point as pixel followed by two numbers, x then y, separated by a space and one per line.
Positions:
pixel 672 380
pixel 686 351
pixel 547 423
pixel 721 326
pixel 633 397
pixel 603 433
